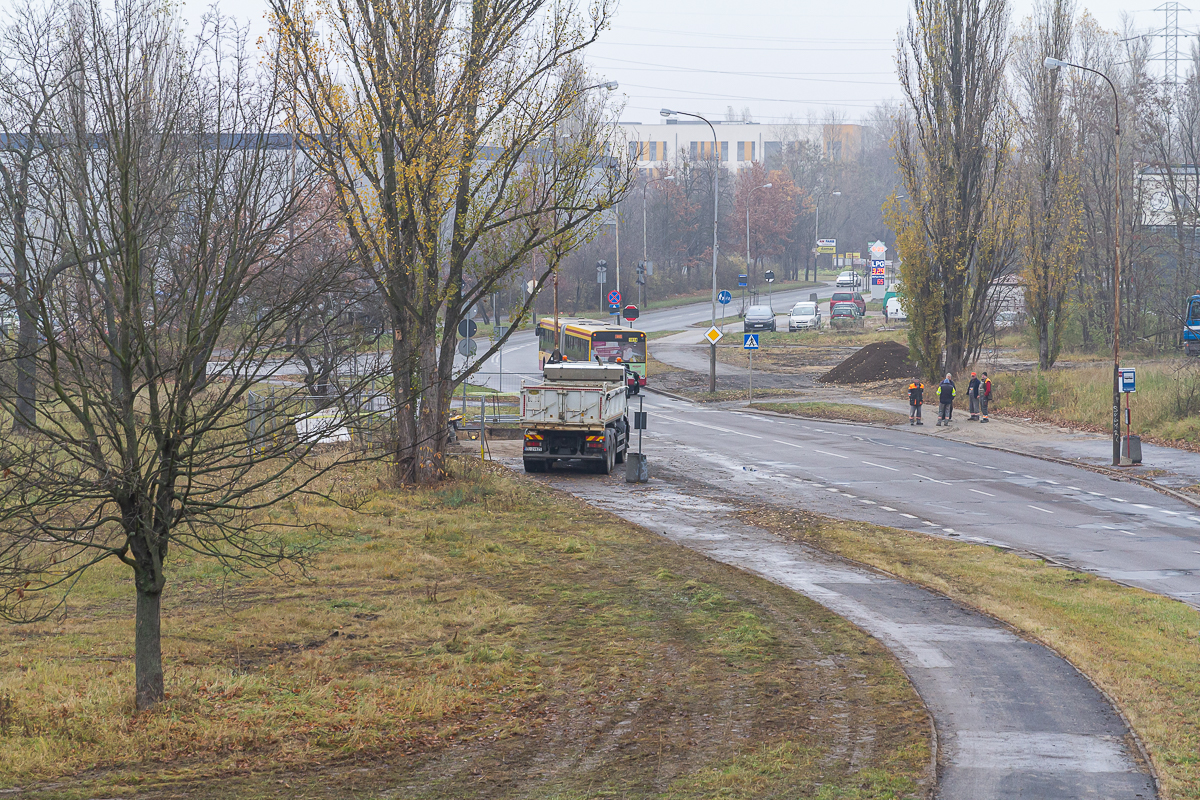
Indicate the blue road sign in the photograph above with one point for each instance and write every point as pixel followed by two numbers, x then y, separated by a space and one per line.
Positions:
pixel 1128 379
pixel 614 298
pixel 743 280
pixel 723 297
pixel 749 341
pixel 614 308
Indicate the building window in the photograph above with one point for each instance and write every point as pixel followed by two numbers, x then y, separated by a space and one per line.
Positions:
pixel 703 151
pixel 745 151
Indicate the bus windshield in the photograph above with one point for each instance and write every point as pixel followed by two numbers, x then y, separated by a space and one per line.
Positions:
pixel 610 345
pixel 1193 316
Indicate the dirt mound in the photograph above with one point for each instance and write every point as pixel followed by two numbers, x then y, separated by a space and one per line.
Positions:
pixel 879 361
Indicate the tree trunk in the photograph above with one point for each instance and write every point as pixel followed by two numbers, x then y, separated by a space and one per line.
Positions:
pixel 147 649
pixel 25 418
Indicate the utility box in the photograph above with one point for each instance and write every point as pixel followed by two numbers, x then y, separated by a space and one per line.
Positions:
pixel 1131 448
pixel 637 470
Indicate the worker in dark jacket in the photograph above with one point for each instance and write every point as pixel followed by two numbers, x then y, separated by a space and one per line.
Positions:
pixel 916 397
pixel 946 400
pixel 973 398
pixel 985 396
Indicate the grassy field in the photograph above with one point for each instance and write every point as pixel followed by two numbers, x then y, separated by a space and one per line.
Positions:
pixel 846 411
pixel 489 638
pixel 1166 406
pixel 1139 647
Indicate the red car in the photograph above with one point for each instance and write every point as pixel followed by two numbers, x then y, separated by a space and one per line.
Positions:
pixel 848 297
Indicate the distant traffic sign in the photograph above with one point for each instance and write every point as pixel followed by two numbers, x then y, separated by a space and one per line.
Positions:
pixel 724 297
pixel 614 297
pixel 1128 379
pixel 749 341
pixel 467 328
pixel 743 280
pixel 713 335
pixel 631 313
pixel 769 276
pixel 467 348
pixel 614 308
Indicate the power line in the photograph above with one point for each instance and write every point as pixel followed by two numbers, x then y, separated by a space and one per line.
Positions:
pixel 770 75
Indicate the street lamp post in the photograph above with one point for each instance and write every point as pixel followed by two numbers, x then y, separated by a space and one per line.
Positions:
pixel 817 231
pixel 1054 63
pixel 608 86
pixel 645 250
pixel 712 353
pixel 748 196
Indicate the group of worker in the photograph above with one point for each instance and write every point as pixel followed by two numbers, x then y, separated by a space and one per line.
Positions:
pixel 979 394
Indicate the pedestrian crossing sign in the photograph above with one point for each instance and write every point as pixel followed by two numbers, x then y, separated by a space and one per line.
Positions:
pixel 749 341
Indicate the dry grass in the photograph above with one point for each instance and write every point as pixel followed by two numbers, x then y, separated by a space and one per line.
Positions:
pixel 1166 406
pixel 488 627
pixel 841 411
pixel 1139 647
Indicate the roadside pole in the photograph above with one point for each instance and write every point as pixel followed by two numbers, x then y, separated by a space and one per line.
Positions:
pixel 750 344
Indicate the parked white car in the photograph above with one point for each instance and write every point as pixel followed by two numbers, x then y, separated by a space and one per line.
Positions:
pixel 804 316
pixel 849 278
pixel 895 311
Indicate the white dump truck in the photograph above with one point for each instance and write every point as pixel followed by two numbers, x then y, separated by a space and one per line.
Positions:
pixel 578 412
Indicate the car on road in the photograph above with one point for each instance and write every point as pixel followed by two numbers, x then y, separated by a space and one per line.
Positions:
pixel 846 315
pixel 849 278
pixel 848 297
pixel 759 318
pixel 895 311
pixel 805 316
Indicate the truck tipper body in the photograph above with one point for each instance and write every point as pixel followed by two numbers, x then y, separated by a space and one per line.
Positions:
pixel 577 412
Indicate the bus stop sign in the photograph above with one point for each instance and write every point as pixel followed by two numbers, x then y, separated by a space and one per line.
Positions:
pixel 1128 380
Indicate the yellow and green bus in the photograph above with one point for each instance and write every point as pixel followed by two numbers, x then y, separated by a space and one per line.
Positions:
pixel 585 339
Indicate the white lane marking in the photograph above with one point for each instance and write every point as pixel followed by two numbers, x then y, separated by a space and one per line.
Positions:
pixel 790 444
pixel 851 496
pixel 936 455
pixel 1119 500
pixel 1056 483
pixel 1008 472
pixel 751 436
pixel 822 452
pixel 887 508
pixel 1194 519
pixel 986 466
pixel 952 458
pixel 1097 494
pixel 927 522
pixel 1075 489
pixel 1127 533
pixel 1172 513
pixel 976 491
pixel 1141 505
pixel 831 489
pixel 710 427
pixel 1043 510
pixel 922 452
pixel 935 480
pixel 881 466
pixel 948 530
pixel 910 516
pixel 1030 477
pixel 868 502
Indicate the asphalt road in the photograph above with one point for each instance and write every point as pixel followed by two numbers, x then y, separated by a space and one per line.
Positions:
pixel 1121 531
pixel 519 360
pixel 1013 719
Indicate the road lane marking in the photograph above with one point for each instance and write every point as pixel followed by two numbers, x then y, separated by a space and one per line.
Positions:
pixel 1141 505
pixel 881 466
pixel 1119 500
pixel 822 452
pixel 1008 472
pixel 986 466
pixel 887 508
pixel 976 491
pixel 1096 494
pixel 1075 489
pixel 1030 477
pixel 948 530
pixel 868 502
pixel 831 489
pixel 1056 483
pixel 851 496
pixel 927 522
pixel 1127 533
pixel 1043 510
pixel 710 427
pixel 935 480
pixel 910 516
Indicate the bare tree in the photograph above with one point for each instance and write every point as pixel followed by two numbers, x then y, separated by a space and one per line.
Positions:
pixel 1049 189
pixel 438 124
pixel 168 201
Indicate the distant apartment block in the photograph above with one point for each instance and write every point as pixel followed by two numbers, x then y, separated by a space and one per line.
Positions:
pixel 739 143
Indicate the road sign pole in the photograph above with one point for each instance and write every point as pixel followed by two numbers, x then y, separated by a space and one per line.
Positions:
pixel 751 402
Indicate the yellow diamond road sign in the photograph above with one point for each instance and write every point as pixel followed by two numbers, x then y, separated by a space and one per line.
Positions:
pixel 713 335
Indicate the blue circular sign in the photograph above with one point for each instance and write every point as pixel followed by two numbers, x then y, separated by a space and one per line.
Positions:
pixel 724 297
pixel 614 297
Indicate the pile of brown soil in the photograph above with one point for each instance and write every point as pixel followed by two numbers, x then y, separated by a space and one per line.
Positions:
pixel 879 361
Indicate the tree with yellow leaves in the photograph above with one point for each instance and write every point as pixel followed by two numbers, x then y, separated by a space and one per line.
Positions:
pixel 461 143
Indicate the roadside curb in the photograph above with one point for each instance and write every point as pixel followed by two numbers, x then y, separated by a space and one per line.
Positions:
pixel 671 395
pixel 1098 469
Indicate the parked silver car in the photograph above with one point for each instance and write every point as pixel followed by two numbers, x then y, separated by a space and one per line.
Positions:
pixel 759 318
pixel 849 278
pixel 805 316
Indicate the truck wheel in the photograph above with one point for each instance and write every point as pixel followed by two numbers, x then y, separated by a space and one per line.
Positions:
pixel 535 465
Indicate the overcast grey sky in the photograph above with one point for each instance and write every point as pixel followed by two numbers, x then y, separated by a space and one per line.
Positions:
pixel 778 58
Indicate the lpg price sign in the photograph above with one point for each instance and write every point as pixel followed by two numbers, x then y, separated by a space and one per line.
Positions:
pixel 878 273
